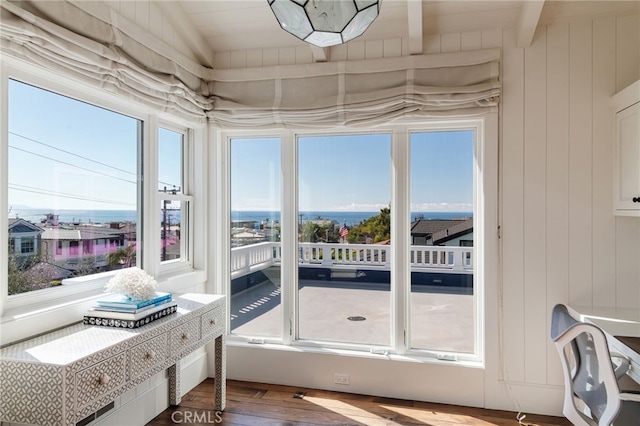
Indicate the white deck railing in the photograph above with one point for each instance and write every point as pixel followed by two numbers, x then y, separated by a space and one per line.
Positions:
pixel 254 257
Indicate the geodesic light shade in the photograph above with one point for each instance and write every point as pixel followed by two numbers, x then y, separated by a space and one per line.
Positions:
pixel 325 23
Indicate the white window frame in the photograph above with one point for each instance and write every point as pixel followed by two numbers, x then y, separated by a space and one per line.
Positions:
pixel 80 292
pixel 185 263
pixel 486 252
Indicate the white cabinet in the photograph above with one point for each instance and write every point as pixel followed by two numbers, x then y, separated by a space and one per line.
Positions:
pixel 626 179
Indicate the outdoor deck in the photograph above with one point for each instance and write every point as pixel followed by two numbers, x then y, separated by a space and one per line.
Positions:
pixel 443 314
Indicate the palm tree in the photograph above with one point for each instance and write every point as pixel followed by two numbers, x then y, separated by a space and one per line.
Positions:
pixel 123 257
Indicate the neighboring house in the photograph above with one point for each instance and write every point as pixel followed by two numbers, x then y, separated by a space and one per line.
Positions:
pixel 442 232
pixel 69 247
pixel 24 238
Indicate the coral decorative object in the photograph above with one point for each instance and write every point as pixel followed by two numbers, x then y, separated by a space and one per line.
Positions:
pixel 133 283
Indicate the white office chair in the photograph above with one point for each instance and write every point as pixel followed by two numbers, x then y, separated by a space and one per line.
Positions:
pixel 592 395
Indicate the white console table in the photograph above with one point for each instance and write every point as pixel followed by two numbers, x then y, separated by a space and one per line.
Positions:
pixel 71 375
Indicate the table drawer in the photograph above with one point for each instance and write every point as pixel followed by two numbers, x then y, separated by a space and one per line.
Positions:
pixel 97 380
pixel 212 322
pixel 148 354
pixel 184 336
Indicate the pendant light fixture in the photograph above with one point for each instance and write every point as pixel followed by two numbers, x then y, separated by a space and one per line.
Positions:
pixel 325 23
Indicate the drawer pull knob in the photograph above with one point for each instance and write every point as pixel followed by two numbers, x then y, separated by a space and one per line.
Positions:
pixel 212 321
pixel 636 199
pixel 104 379
pixel 185 336
pixel 150 355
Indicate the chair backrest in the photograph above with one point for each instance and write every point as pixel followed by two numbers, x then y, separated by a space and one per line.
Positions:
pixel 588 371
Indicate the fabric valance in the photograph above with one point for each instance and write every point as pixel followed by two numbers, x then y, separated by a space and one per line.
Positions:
pixel 357 93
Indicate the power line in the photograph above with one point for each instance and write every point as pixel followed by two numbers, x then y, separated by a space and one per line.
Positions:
pixel 62 194
pixel 71 153
pixel 75 155
pixel 72 165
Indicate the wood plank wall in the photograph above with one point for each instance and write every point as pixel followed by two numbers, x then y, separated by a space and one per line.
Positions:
pixel 560 241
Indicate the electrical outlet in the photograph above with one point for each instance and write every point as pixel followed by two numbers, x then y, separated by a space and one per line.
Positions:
pixel 341 379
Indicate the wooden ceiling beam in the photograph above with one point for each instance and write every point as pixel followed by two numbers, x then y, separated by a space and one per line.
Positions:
pixel 528 22
pixel 320 54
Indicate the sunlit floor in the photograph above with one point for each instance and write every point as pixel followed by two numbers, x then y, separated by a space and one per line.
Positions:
pixel 264 404
pixel 339 311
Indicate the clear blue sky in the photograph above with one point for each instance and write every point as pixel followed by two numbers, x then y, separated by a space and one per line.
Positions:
pixel 87 156
pixel 352 173
pixel 84 154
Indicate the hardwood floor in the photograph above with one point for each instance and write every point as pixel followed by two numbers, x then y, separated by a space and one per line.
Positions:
pixel 250 404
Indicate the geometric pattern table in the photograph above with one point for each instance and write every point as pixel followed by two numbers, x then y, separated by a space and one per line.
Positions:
pixel 74 374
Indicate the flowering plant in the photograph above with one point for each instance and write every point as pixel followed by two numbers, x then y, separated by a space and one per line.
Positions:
pixel 133 283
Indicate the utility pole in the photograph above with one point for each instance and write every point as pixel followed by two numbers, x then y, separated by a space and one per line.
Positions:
pixel 164 223
pixel 164 227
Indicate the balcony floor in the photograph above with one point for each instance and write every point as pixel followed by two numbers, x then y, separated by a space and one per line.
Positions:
pixel 442 316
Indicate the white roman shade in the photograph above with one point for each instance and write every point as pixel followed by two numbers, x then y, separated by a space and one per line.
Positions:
pixel 357 93
pixel 90 42
pixel 93 44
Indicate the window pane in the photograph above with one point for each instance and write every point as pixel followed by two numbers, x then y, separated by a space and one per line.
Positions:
pixel 170 149
pixel 442 293
pixel 256 308
pixel 72 195
pixel 171 214
pixel 344 238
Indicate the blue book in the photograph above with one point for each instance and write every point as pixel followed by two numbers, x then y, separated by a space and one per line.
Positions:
pixel 122 302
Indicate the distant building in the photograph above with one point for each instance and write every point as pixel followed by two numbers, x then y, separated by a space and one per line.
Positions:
pixel 24 239
pixel 69 246
pixel 442 232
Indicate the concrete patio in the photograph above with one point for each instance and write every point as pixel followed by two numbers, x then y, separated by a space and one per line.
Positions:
pixel 442 316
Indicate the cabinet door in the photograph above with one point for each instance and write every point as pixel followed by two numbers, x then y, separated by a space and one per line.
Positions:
pixel 627 184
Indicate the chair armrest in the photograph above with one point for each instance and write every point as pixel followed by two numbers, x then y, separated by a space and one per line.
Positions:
pixel 620 364
pixel 629 396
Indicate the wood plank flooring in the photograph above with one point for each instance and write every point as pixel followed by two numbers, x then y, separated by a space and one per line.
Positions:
pixel 258 404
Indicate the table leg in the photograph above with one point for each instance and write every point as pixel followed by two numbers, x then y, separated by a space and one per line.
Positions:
pixel 174 384
pixel 220 373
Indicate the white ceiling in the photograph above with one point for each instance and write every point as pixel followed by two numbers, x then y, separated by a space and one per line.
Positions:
pixel 223 26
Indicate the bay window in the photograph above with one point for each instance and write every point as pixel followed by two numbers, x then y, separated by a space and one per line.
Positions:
pixel 382 228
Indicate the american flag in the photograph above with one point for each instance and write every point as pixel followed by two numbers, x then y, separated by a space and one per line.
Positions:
pixel 343 230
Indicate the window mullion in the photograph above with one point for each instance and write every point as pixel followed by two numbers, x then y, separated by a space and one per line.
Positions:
pixel 149 241
pixel 400 216
pixel 289 241
pixel 4 184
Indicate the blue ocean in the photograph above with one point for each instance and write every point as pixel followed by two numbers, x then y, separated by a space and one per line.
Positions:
pixel 349 218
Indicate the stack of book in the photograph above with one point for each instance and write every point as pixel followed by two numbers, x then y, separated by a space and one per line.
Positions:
pixel 119 311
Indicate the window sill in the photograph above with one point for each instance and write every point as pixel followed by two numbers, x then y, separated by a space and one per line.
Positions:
pixel 431 358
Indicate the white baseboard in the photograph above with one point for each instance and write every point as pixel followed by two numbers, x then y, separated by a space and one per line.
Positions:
pixel 527 398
